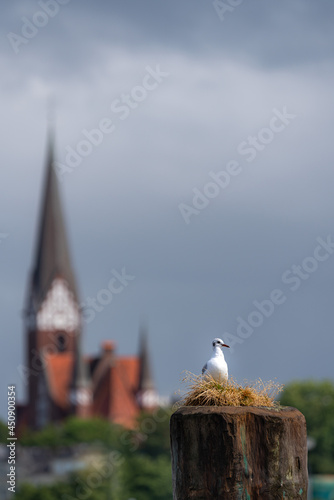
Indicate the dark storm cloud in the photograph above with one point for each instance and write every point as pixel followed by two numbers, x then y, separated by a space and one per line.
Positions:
pixel 270 34
pixel 121 203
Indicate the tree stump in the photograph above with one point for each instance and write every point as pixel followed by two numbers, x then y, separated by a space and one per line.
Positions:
pixel 238 453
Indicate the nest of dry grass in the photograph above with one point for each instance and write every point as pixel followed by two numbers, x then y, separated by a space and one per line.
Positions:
pixel 206 391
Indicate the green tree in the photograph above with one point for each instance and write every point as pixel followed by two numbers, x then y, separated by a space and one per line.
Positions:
pixel 3 432
pixel 143 478
pixel 146 469
pixel 50 436
pixel 77 430
pixel 315 399
pixel 154 433
pixel 74 430
pixel 72 490
pixel 136 465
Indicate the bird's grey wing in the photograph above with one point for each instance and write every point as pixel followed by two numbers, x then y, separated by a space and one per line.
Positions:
pixel 205 367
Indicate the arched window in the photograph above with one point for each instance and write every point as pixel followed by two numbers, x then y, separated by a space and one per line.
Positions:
pixel 61 341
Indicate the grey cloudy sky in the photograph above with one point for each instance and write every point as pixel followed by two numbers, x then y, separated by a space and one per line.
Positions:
pixel 227 81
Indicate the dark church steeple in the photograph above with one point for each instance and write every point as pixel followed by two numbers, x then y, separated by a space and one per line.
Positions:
pixel 80 389
pixel 52 256
pixel 147 395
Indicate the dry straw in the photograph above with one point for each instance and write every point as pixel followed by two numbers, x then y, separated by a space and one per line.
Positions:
pixel 206 391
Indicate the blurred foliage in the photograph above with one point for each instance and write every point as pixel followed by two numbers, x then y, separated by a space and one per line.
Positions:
pixel 315 399
pixel 151 436
pixel 73 431
pixel 3 432
pixel 146 478
pixel 76 487
pixel 136 463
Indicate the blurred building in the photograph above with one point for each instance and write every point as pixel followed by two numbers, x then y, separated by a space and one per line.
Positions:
pixel 321 487
pixel 60 381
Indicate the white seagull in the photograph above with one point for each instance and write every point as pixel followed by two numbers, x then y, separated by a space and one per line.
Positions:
pixel 217 366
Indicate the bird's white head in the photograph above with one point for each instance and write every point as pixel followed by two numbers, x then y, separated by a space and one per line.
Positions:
pixel 218 343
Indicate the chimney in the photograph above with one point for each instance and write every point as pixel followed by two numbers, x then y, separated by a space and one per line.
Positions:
pixel 108 348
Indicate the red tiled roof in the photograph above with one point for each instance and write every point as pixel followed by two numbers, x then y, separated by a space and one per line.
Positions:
pixel 101 396
pixel 115 393
pixel 123 407
pixel 58 368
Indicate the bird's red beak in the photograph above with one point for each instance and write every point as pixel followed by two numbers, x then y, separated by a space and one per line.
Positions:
pixel 225 345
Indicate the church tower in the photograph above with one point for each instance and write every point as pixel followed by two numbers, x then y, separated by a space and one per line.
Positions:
pixel 80 389
pixel 147 395
pixel 53 323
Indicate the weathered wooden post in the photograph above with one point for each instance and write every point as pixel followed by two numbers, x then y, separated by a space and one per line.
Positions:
pixel 238 453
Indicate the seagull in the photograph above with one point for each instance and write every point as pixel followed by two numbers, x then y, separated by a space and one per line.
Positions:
pixel 217 366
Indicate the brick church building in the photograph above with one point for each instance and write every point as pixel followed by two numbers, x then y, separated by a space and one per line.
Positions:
pixel 60 380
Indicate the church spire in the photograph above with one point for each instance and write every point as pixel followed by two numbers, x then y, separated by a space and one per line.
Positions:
pixel 52 256
pixel 147 396
pixel 80 390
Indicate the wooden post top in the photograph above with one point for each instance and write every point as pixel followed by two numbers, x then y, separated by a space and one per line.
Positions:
pixel 244 453
pixel 279 411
